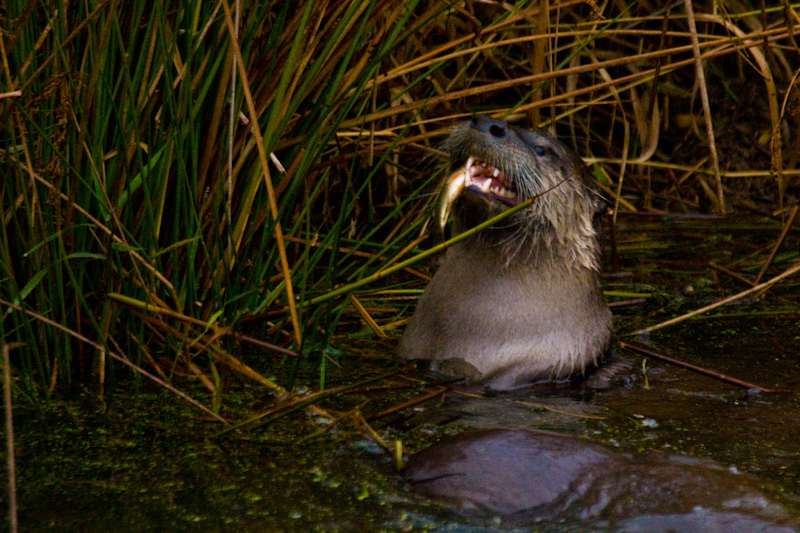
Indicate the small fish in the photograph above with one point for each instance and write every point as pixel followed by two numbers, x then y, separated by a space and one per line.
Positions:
pixel 451 189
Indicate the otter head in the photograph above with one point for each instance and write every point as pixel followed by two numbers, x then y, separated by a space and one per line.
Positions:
pixel 495 166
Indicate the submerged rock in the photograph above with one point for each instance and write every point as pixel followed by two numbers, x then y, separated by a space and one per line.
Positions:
pixel 528 477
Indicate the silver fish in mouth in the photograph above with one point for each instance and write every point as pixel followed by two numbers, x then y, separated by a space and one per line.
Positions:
pixel 451 189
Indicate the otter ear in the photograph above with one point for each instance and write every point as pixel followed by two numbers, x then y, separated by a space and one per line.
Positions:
pixel 599 203
pixel 596 199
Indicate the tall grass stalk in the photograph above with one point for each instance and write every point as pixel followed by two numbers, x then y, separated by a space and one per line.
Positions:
pixel 9 423
pixel 137 215
pixel 114 172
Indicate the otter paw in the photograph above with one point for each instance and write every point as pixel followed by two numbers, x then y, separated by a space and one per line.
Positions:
pixel 458 368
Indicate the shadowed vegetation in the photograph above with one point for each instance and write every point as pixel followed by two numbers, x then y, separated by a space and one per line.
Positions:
pixel 183 183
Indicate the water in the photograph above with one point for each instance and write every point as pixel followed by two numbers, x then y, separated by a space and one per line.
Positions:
pixel 147 462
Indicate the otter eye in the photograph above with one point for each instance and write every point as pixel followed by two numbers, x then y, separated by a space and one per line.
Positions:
pixel 539 143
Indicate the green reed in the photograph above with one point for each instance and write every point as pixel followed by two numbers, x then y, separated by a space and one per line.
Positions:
pixel 130 167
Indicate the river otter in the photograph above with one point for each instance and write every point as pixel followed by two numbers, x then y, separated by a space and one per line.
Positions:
pixel 519 301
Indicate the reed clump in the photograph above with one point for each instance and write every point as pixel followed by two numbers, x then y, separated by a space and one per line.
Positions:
pixel 183 180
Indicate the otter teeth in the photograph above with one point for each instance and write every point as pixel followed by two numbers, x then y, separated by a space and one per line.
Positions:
pixel 478 174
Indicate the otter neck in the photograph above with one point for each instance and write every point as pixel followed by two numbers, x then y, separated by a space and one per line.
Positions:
pixel 517 249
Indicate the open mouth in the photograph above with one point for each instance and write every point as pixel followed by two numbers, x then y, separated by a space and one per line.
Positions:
pixel 477 176
pixel 491 181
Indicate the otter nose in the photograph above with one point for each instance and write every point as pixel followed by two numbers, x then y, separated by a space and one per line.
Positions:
pixel 492 126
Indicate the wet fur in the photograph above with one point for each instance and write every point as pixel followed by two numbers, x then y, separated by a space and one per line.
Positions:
pixel 521 301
